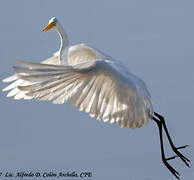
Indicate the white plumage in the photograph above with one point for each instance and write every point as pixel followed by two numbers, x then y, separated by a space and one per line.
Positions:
pixel 93 81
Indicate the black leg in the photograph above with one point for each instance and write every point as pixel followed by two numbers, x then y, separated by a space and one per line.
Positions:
pixel 172 170
pixel 175 149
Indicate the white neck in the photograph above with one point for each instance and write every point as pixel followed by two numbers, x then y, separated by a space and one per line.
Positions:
pixel 64 44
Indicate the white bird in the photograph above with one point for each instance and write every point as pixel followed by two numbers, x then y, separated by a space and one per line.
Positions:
pixel 94 82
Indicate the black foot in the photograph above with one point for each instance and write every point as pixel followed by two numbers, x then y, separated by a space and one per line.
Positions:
pixel 182 157
pixel 175 149
pixel 181 147
pixel 173 157
pixel 171 169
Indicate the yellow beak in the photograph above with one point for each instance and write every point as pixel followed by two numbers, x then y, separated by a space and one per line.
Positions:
pixel 49 26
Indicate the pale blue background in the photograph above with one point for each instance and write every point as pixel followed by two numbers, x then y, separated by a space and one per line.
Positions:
pixel 154 39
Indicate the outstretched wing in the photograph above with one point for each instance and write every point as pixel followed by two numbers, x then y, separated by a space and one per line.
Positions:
pixel 96 87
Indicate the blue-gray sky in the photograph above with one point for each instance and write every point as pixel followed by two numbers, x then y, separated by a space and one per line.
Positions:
pixel 154 39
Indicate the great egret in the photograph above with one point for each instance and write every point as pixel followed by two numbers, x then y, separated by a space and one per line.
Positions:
pixel 95 83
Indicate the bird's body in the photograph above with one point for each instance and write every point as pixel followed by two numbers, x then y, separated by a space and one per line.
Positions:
pixel 93 81
pixel 105 88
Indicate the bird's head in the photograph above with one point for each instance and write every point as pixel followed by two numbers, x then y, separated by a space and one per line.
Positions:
pixel 51 24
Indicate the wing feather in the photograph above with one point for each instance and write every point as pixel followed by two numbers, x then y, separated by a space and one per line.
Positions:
pixel 97 87
pixel 10 78
pixel 18 94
